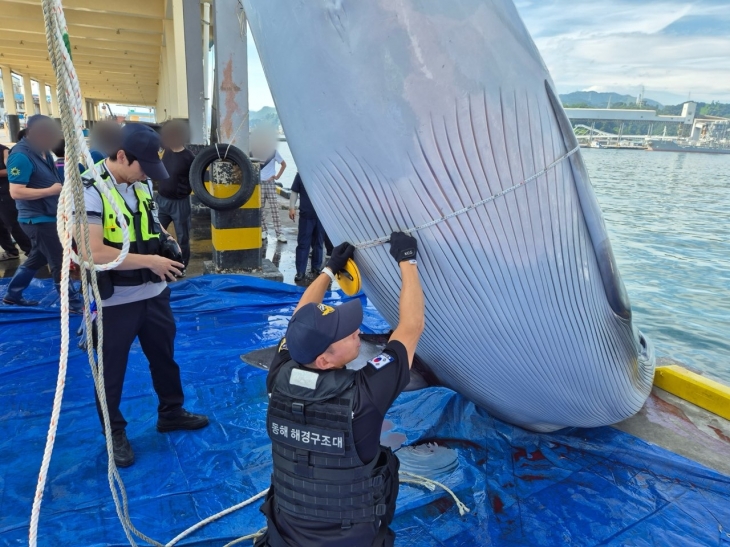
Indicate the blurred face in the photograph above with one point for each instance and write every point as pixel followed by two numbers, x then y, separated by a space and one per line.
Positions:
pixel 174 134
pixel 106 136
pixel 45 135
pixel 126 171
pixel 340 353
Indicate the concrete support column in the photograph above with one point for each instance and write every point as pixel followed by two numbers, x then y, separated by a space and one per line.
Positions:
pixel 55 110
pixel 28 97
pixel 170 61
pixel 8 91
pixel 11 109
pixel 43 99
pixel 195 90
pixel 231 74
pixel 162 107
pixel 178 20
pixel 236 235
pixel 206 69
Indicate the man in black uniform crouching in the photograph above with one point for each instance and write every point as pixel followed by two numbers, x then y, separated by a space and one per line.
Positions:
pixel 333 485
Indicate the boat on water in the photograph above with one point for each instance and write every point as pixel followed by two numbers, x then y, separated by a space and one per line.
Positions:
pixel 671 146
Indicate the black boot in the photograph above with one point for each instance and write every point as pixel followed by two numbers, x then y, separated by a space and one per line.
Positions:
pixel 181 420
pixel 123 453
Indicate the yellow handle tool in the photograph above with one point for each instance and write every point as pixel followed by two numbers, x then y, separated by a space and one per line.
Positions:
pixel 349 279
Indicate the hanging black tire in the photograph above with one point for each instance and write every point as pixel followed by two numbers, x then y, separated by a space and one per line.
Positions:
pixel 204 159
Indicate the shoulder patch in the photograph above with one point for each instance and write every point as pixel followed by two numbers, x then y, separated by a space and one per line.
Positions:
pixel 381 360
pixel 14 171
pixel 303 378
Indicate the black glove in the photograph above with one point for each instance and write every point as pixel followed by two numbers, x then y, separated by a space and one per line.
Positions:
pixel 403 247
pixel 340 255
pixel 169 248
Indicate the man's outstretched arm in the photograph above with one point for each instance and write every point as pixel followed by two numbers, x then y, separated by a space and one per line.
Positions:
pixel 316 291
pixel 411 309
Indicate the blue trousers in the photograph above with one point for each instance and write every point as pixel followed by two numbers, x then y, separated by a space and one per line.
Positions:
pixel 310 236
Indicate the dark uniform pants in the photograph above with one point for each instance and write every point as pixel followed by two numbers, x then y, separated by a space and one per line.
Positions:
pixel 152 322
pixel 9 221
pixel 310 235
pixel 46 250
pixel 178 212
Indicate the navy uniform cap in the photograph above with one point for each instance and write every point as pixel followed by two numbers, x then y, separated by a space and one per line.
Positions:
pixel 315 327
pixel 144 143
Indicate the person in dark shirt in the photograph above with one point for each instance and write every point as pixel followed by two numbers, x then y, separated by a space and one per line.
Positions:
pixel 173 193
pixel 60 153
pixel 35 186
pixel 311 232
pixel 9 216
pixel 333 485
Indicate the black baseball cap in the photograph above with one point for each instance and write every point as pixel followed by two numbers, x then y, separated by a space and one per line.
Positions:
pixel 315 327
pixel 143 143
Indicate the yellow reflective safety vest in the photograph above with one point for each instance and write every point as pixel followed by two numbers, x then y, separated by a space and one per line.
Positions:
pixel 144 232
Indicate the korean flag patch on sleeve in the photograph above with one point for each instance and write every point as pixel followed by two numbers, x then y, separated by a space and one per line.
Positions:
pixel 381 360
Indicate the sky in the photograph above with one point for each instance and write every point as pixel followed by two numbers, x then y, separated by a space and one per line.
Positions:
pixel 675 49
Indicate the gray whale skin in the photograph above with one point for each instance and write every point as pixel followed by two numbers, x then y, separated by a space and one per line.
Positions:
pixel 399 112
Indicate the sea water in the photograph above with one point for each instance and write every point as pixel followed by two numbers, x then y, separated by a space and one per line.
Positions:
pixel 668 217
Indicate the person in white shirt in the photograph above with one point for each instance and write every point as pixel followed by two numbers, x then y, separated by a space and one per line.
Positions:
pixel 269 176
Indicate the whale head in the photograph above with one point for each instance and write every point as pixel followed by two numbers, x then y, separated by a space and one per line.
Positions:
pixel 441 118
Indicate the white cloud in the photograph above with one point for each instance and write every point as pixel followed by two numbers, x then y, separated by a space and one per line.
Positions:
pixel 672 47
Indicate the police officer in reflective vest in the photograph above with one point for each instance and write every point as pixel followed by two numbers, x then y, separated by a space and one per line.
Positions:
pixel 333 485
pixel 135 296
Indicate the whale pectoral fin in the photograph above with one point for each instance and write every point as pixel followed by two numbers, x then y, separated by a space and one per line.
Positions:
pixel 613 285
pixel 260 358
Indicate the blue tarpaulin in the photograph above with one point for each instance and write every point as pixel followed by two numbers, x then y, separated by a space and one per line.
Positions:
pixel 575 487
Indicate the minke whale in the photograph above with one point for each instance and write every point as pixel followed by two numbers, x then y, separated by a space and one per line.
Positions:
pixel 442 116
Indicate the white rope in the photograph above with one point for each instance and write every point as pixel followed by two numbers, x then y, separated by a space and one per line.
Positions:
pixel 385 239
pixel 216 517
pixel 69 227
pixel 431 485
pixel 418 480
pixel 70 197
pixel 253 536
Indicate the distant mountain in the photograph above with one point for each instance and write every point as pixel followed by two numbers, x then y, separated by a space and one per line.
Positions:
pixel 267 115
pixel 594 99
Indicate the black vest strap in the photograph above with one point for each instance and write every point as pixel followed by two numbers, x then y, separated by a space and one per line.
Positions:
pixel 368 514
pixel 316 460
pixel 322 474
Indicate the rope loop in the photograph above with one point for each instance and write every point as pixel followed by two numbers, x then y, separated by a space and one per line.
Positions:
pixel 386 239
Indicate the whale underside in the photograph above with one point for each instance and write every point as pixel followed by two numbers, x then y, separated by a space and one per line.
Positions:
pixel 440 117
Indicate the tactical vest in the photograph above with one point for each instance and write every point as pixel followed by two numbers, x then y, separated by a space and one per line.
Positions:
pixel 144 235
pixel 318 474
